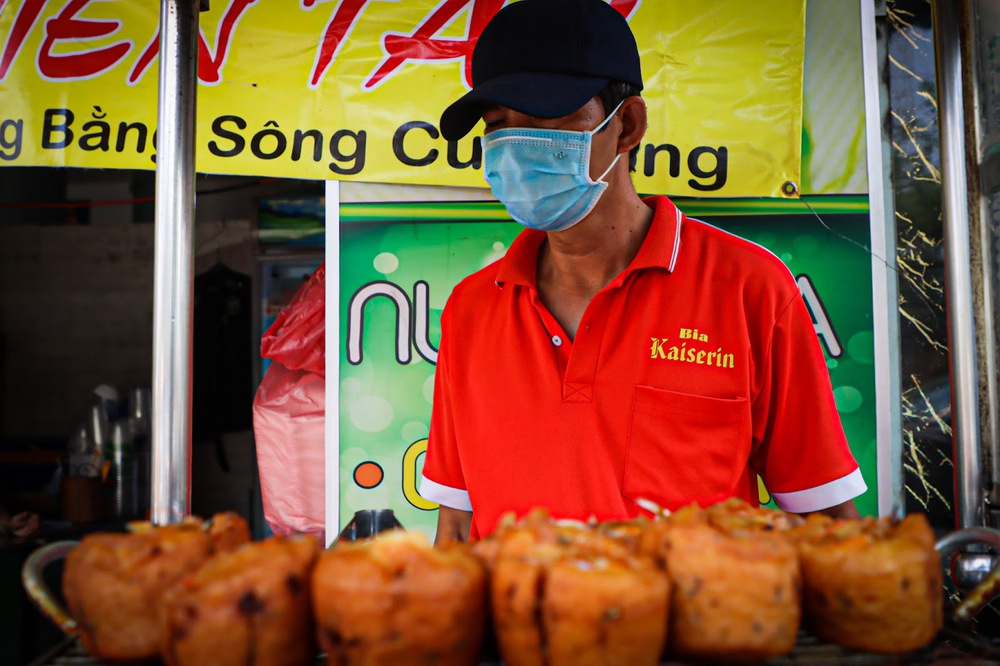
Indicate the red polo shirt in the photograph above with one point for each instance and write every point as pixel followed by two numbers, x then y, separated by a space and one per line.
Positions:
pixel 694 370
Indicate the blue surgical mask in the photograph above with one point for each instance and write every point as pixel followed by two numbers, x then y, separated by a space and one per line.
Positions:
pixel 542 176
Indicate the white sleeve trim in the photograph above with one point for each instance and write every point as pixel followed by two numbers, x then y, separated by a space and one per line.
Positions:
pixel 454 498
pixel 829 494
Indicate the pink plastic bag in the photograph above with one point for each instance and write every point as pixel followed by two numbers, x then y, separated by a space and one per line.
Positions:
pixel 289 414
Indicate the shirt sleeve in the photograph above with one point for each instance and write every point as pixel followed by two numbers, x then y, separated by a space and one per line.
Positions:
pixel 800 449
pixel 443 481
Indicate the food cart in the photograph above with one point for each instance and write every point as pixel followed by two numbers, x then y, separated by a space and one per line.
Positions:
pixel 958 44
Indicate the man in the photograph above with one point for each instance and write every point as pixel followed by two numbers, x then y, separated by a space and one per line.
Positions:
pixel 620 356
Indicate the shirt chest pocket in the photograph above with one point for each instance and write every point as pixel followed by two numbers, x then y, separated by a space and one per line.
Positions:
pixel 684 448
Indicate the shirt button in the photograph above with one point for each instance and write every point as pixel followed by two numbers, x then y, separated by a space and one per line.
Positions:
pixel 556 340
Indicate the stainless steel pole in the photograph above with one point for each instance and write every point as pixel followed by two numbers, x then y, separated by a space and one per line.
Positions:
pixel 173 261
pixel 955 216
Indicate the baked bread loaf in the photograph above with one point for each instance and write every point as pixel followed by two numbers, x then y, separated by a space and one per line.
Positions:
pixel 870 584
pixel 228 531
pixel 565 595
pixel 736 580
pixel 250 606
pixel 736 517
pixel 395 601
pixel 114 585
pixel 735 597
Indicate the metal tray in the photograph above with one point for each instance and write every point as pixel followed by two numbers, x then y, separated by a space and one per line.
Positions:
pixel 952 647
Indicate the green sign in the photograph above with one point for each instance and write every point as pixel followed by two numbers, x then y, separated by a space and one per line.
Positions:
pixel 399 263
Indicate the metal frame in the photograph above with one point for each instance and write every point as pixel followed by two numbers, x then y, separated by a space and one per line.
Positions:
pixel 173 276
pixel 969 494
pixel 885 288
pixel 173 280
pixel 332 435
pixel 981 24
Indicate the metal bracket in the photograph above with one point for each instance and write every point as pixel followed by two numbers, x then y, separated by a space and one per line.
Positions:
pixel 968 565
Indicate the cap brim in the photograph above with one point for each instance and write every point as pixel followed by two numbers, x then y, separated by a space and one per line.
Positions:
pixel 540 94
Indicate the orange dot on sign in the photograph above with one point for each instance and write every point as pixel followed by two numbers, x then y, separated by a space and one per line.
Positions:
pixel 368 474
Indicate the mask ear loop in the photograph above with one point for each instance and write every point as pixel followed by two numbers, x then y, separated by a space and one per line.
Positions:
pixel 600 179
pixel 606 120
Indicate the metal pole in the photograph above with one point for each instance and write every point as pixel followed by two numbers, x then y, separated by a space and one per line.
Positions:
pixel 955 216
pixel 174 251
pixel 885 288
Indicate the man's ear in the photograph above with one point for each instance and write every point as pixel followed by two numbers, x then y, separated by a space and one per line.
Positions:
pixel 633 116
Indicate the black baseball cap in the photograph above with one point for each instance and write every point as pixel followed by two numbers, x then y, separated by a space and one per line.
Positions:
pixel 545 58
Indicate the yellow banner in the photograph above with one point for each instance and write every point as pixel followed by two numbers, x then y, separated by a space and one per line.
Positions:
pixel 353 89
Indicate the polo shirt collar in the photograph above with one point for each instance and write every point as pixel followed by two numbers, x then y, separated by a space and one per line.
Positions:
pixel 659 249
pixel 518 266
